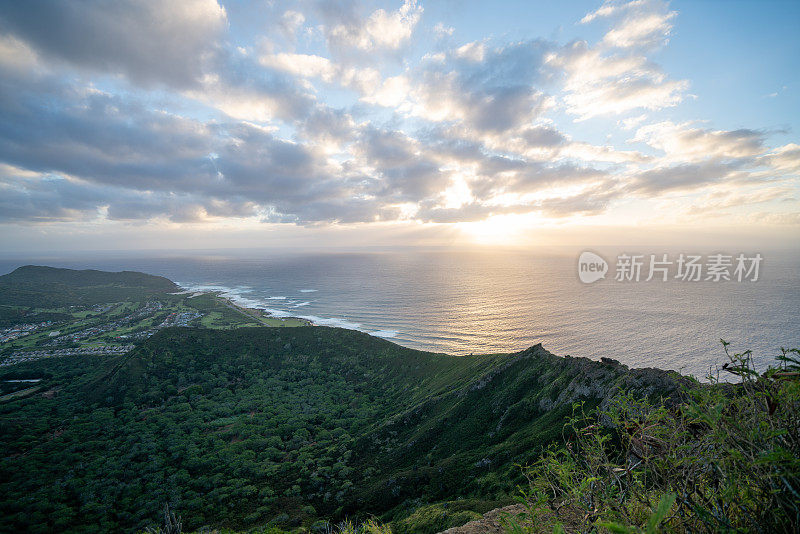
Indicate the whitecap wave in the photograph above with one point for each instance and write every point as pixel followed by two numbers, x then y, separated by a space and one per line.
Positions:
pixel 235 295
pixel 384 333
pixel 332 321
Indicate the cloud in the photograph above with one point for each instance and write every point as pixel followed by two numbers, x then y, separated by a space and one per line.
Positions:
pixel 485 90
pixel 408 173
pixel 683 177
pixel 441 30
pixel 290 22
pixel 310 66
pixel 381 30
pixel 784 159
pixel 149 42
pixel 16 55
pixel 38 198
pixel 159 161
pixel 598 83
pixel 638 24
pixel 683 142
pixel 615 77
pixel 178 120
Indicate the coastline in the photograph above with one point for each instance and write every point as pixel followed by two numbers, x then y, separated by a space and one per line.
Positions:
pixel 258 314
pixel 251 308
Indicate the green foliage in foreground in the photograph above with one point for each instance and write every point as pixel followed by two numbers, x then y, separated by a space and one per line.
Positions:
pixel 283 427
pixel 727 459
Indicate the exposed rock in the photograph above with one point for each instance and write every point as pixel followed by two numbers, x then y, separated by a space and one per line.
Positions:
pixel 490 523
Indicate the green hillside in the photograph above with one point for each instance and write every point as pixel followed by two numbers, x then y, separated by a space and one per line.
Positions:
pixel 252 426
pixel 50 287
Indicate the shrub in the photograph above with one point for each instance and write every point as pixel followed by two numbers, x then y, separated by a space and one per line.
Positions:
pixel 725 458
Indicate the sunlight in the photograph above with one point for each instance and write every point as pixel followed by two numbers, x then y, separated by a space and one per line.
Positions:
pixel 500 230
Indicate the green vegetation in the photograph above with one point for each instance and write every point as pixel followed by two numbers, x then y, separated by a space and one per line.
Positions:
pixel 724 459
pixel 436 518
pixel 48 287
pixel 238 426
pixel 284 427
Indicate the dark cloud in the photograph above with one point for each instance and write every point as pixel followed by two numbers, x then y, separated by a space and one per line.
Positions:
pixel 501 176
pixel 543 136
pixel 492 91
pixel 409 173
pixel 47 126
pixel 148 41
pixel 47 199
pixel 680 177
pixel 239 81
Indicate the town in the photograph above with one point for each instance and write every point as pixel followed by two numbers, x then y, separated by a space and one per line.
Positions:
pixel 111 328
pixel 98 330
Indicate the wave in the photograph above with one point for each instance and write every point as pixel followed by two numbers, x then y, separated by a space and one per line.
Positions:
pixel 384 333
pixel 333 321
pixel 235 295
pixel 307 290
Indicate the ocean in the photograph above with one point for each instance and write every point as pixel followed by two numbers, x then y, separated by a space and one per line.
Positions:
pixel 482 301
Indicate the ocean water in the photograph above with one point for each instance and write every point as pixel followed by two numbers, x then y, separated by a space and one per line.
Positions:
pixel 462 302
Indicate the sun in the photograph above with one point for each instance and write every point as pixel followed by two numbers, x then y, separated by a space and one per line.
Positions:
pixel 500 230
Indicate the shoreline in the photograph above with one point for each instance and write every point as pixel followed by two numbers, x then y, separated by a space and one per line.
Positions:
pixel 260 315
pixel 249 307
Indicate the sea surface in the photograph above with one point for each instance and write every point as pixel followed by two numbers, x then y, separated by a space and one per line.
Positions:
pixel 462 302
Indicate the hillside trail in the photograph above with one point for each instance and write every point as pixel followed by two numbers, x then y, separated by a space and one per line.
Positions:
pixel 490 523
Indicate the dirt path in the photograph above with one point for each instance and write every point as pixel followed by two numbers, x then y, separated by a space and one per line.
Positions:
pixel 489 524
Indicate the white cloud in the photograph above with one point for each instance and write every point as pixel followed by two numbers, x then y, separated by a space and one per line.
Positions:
pixel 381 30
pixel 638 24
pixel 364 80
pixel 784 159
pixel 598 83
pixel 474 51
pixel 683 142
pixel 291 21
pixel 441 30
pixel 644 30
pixel 610 8
pixel 393 92
pixel 466 131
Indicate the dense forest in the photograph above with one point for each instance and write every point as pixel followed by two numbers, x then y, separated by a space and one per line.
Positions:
pixel 259 425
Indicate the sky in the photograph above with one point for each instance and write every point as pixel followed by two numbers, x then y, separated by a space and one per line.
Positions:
pixel 323 123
